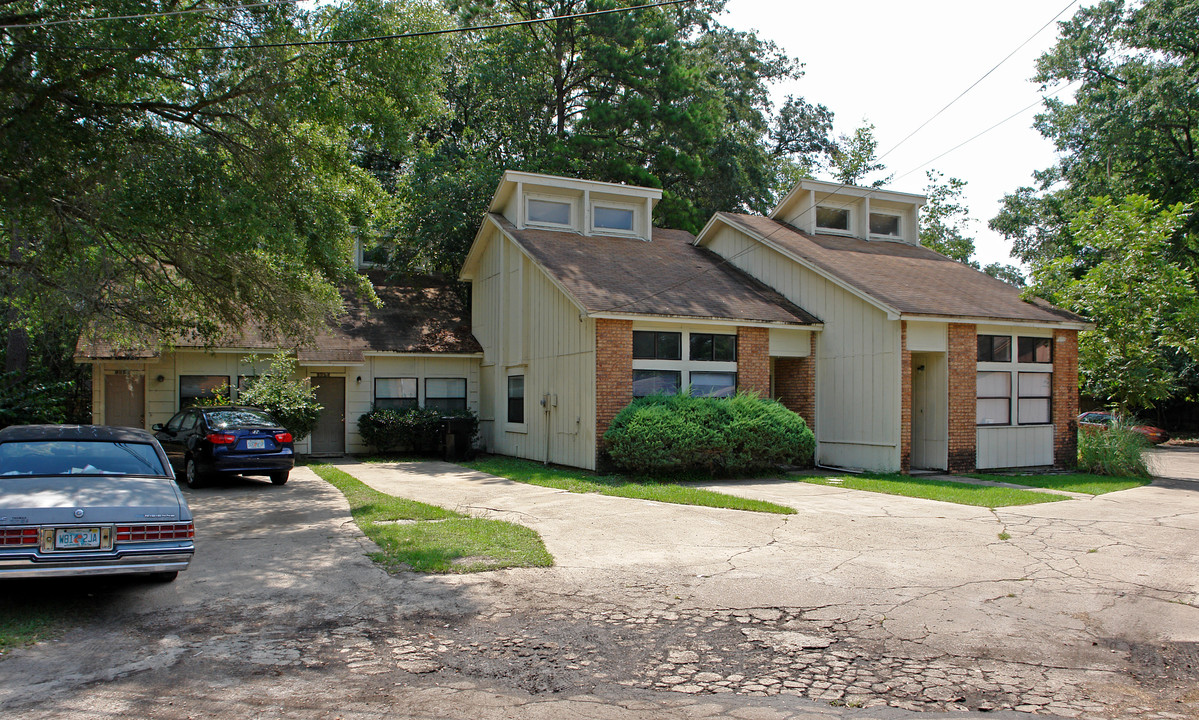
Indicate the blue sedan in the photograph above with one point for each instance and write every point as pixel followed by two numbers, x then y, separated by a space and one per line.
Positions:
pixel 230 439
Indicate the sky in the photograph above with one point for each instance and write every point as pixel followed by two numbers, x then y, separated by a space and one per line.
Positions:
pixel 895 64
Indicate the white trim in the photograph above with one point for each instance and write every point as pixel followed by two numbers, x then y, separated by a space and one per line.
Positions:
pixel 385 353
pixel 630 208
pixel 688 320
pixel 996 322
pixel 571 203
pixel 898 236
pixel 825 230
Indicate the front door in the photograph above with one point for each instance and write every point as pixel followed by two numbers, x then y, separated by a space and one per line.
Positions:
pixel 125 399
pixel 329 437
pixel 930 411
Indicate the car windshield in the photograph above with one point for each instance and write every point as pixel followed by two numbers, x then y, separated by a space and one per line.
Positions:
pixel 241 418
pixel 78 457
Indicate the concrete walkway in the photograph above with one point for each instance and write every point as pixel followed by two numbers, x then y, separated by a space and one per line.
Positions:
pixel 1052 586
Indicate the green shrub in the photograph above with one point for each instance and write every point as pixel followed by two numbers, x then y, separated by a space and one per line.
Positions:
pixel 1117 450
pixel 418 430
pixel 24 401
pixel 671 434
pixel 289 400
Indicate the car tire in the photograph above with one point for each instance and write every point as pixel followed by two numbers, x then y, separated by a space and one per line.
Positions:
pixel 191 473
pixel 278 478
pixel 164 577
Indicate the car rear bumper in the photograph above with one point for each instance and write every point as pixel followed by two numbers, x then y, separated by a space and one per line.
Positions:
pixel 246 464
pixel 122 560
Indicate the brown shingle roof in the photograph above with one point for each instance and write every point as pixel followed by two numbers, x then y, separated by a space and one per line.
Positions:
pixel 669 276
pixel 909 278
pixel 423 315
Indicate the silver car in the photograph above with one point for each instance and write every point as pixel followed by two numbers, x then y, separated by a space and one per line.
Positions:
pixel 89 500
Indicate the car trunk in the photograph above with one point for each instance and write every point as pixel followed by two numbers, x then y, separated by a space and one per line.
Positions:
pixel 34 500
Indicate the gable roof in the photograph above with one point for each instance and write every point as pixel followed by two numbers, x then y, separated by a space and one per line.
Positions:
pixel 906 279
pixel 667 277
pixel 421 315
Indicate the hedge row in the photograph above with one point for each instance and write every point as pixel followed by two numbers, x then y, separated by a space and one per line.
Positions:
pixel 672 434
pixel 418 430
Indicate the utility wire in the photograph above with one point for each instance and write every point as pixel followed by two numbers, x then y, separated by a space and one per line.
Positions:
pixel 354 41
pixel 167 13
pixel 976 82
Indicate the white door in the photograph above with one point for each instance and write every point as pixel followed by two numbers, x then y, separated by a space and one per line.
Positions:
pixel 930 411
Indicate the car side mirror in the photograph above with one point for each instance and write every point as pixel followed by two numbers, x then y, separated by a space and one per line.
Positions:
pixel 156 426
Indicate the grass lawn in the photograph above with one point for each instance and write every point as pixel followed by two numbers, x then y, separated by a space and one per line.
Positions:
pixel 582 481
pixel 929 489
pixel 418 537
pixel 26 618
pixel 1075 482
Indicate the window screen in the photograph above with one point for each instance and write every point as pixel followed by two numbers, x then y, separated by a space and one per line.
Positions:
pixel 994 348
pixel 516 398
pixel 881 224
pixel 713 384
pixel 445 394
pixel 550 212
pixel 612 218
pixel 656 382
pixel 994 391
pixel 1034 401
pixel 395 393
pixel 832 218
pixel 1034 350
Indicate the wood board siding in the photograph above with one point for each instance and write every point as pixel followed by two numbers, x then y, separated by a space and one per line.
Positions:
pixel 534 329
pixel 1007 447
pixel 857 354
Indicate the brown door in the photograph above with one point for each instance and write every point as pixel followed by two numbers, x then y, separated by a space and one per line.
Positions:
pixel 125 399
pixel 329 438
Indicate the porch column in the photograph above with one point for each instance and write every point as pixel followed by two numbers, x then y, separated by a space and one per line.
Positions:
pixel 613 374
pixel 753 360
pixel 1065 399
pixel 963 397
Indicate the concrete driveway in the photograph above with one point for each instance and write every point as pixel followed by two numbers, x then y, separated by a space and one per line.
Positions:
pixel 1087 609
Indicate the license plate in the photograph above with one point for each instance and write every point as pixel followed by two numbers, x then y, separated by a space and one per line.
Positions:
pixel 76 538
pixel 256 444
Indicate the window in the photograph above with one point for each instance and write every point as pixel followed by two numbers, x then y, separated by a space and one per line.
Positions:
pixel 828 218
pixel 610 218
pixel 994 398
pixel 649 345
pixel 994 348
pixel 713 384
pixel 445 394
pixel 200 387
pixel 882 224
pixel 706 346
pixel 656 382
pixel 549 212
pixel 396 393
pixel 1034 350
pixel 1033 404
pixel 516 399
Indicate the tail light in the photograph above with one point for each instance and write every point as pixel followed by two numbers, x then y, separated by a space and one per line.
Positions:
pixel 283 437
pixel 155 533
pixel 18 536
pixel 220 438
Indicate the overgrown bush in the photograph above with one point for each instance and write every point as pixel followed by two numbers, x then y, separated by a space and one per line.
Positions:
pixel 672 434
pixel 417 430
pixel 1117 450
pixel 290 400
pixel 24 402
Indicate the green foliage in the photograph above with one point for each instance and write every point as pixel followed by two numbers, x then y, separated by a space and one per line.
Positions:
pixel 929 489
pixel 671 434
pixel 1087 483
pixel 945 219
pixel 419 430
pixel 1118 451
pixel 662 97
pixel 289 400
pixel 1143 303
pixel 166 190
pixel 24 402
pixel 438 540
pixel 855 157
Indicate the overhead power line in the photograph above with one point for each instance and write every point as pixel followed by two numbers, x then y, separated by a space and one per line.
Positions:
pixel 143 16
pixel 376 38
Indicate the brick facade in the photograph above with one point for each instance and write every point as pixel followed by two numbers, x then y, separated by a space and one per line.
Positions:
pixel 963 401
pixel 613 373
pixel 795 384
pixel 753 360
pixel 905 400
pixel 1065 398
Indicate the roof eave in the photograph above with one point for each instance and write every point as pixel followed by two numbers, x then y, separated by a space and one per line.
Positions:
pixel 797 325
pixel 982 320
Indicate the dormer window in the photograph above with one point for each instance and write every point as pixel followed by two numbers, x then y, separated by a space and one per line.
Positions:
pixel 884 224
pixel 549 212
pixel 612 218
pixel 830 218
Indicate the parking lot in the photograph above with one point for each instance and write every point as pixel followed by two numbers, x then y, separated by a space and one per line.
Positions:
pixel 860 604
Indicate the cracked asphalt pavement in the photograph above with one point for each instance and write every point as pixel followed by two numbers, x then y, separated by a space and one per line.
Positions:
pixel 860 605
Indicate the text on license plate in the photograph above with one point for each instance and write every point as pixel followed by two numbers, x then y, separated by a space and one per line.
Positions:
pixel 76 538
pixel 256 444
